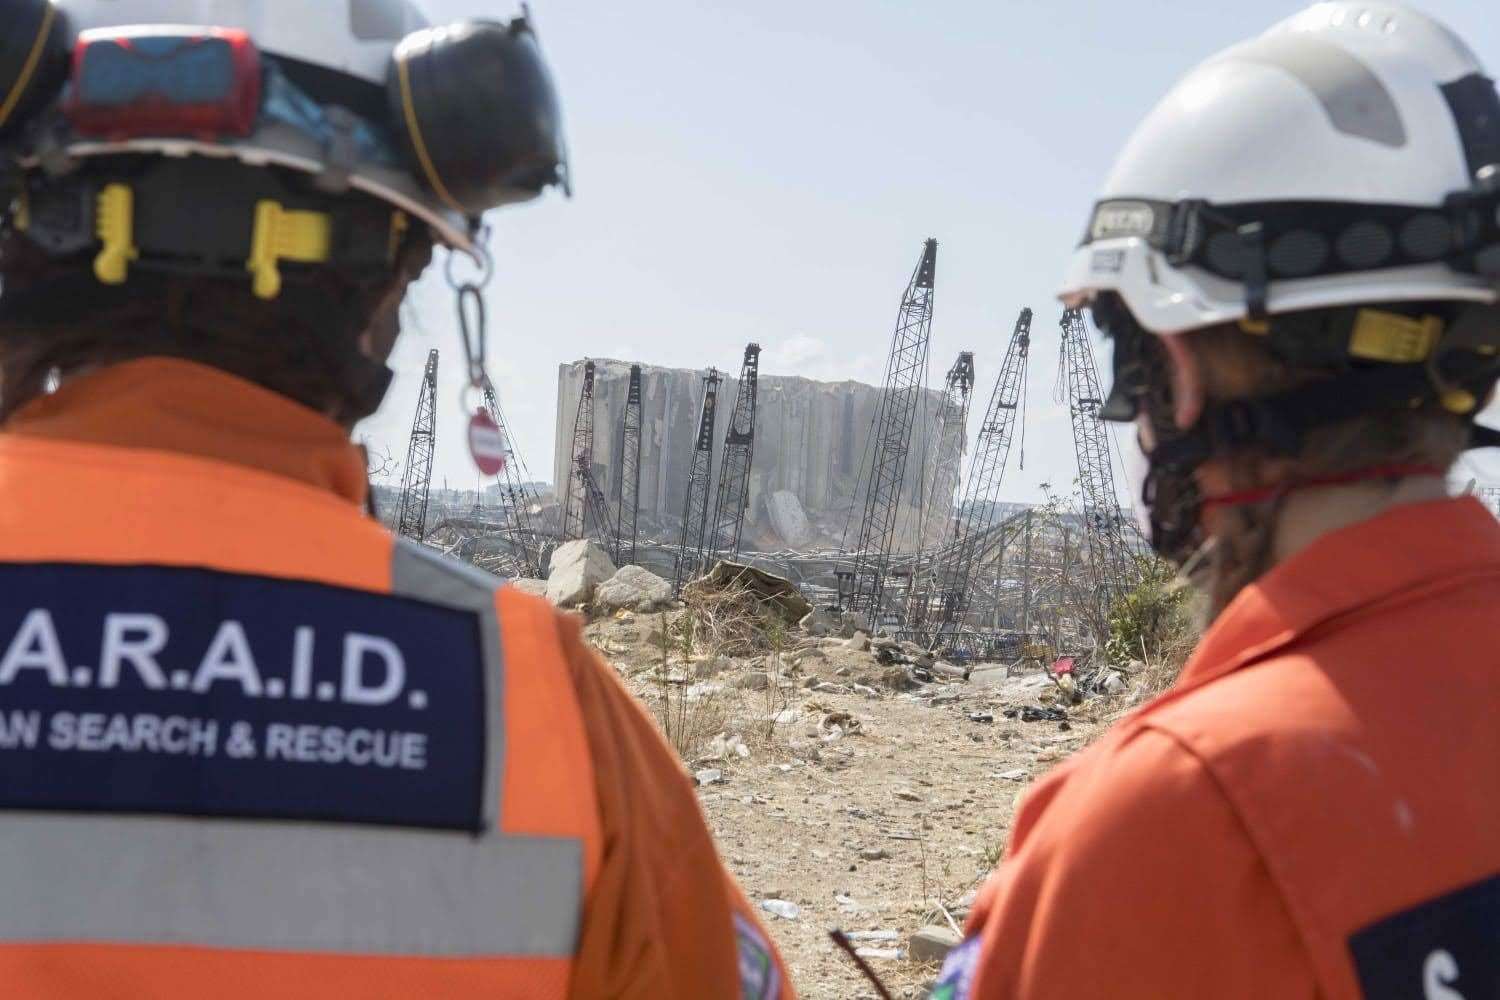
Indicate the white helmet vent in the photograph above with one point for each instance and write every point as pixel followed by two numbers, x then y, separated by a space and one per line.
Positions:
pixel 1357 103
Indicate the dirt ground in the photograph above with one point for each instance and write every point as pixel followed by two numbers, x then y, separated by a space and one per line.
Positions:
pixel 867 800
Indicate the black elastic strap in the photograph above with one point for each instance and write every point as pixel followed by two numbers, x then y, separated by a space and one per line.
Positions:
pixel 1484 437
pixel 1476 111
pixel 1257 281
pixel 1279 423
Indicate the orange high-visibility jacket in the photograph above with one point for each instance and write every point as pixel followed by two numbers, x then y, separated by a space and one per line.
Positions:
pixel 1313 811
pixel 251 746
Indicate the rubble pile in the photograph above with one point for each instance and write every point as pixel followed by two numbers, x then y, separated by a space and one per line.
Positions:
pixel 852 779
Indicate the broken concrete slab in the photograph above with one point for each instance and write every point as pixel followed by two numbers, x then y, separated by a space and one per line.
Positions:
pixel 578 567
pixel 635 588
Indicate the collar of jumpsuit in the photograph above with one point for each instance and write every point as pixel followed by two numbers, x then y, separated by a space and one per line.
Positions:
pixel 1397 554
pixel 167 404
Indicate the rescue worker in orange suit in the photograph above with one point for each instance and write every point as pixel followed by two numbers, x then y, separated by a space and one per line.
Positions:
pixel 1296 259
pixel 250 744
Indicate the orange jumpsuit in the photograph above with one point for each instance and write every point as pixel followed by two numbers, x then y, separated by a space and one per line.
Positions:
pixel 562 854
pixel 1313 810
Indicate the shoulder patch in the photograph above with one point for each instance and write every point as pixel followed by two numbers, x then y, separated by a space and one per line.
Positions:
pixel 957 979
pixel 760 977
pixel 1446 949
pixel 147 689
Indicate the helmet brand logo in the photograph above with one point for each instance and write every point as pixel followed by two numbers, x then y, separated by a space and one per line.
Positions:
pixel 1115 219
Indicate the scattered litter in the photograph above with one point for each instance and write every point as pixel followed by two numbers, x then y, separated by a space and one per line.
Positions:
pixel 1036 713
pixel 709 776
pixel 981 716
pixel 873 935
pixel 1019 774
pixel 781 908
pixel 889 954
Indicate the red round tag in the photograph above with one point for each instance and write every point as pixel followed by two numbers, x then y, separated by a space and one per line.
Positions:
pixel 487 444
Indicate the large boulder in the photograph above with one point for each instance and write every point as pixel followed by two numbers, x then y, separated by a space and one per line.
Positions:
pixel 788 518
pixel 577 569
pixel 634 588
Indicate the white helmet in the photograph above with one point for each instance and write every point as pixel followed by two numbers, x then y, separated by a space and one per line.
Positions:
pixel 440 123
pixel 1330 162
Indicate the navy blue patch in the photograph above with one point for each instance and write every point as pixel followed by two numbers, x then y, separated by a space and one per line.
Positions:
pixel 956 982
pixel 187 691
pixel 1448 949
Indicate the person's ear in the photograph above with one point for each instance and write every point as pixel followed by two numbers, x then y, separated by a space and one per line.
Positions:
pixel 1188 393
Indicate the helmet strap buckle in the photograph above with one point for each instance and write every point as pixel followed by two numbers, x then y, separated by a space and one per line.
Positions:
pixel 1257 275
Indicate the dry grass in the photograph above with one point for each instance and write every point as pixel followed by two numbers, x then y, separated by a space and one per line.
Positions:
pixel 694 712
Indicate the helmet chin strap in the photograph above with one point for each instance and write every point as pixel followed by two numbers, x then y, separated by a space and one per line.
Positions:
pixel 1457 375
pixel 1266 494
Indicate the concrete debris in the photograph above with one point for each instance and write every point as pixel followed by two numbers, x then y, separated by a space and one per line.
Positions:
pixel 727 746
pixel 634 588
pixel 577 569
pixel 536 588
pixel 852 622
pixel 931 944
pixel 788 519
pixel 781 908
pixel 820 622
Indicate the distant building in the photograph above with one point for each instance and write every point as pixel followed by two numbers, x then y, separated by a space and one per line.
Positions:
pixel 811 447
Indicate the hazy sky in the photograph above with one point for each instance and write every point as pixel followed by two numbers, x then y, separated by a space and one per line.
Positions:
pixel 767 170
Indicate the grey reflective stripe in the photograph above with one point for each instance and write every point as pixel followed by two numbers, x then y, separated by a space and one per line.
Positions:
pixel 287 887
pixel 422 574
pixel 1356 101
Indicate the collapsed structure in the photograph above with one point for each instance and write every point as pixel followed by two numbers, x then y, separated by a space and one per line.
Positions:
pixel 852 491
pixel 811 439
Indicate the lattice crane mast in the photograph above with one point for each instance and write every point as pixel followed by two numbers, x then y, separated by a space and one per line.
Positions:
pixel 690 548
pixel 416 480
pixel 575 504
pixel 944 466
pixel 514 499
pixel 1102 518
pixel 892 436
pixel 1005 415
pixel 628 480
pixel 598 518
pixel 734 468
